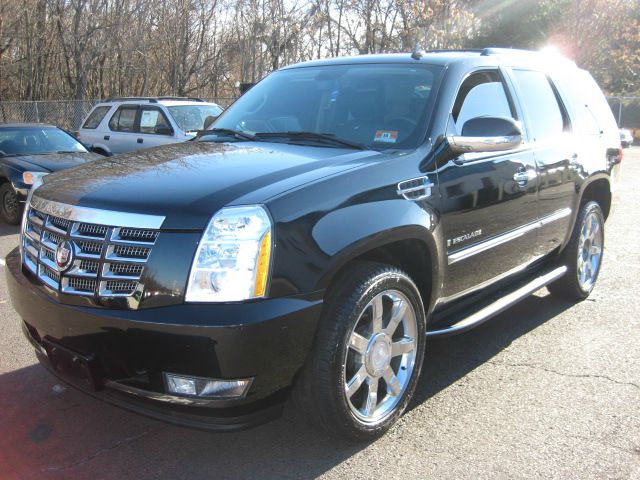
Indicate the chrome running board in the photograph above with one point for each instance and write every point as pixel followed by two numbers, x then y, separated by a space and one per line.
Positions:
pixel 500 305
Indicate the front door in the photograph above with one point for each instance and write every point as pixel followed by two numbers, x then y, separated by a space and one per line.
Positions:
pixel 488 201
pixel 154 128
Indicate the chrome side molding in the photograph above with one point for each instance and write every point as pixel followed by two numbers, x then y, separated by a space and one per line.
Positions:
pixel 499 305
pixel 506 237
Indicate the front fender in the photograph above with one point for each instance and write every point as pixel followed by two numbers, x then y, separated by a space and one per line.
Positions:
pixel 350 232
pixel 103 147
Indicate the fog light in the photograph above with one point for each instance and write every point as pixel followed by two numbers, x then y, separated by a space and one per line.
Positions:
pixel 181 385
pixel 206 387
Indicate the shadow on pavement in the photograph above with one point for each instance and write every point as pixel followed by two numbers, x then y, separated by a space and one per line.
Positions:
pixel 451 358
pixel 6 229
pixel 48 431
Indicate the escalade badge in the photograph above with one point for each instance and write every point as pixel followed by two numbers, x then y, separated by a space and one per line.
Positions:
pixel 463 238
pixel 64 255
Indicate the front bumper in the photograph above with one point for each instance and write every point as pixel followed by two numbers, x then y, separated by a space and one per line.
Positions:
pixel 266 340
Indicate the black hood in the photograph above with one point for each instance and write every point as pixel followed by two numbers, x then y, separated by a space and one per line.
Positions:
pixel 52 162
pixel 189 182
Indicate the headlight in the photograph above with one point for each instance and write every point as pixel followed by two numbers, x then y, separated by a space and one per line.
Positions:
pixel 33 178
pixel 233 257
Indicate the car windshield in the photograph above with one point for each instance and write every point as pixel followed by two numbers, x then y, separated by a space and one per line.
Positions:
pixel 377 106
pixel 191 118
pixel 37 141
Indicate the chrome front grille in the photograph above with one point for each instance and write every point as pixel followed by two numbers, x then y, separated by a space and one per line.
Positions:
pixel 108 261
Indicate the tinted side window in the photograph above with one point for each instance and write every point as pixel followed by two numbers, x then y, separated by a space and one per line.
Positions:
pixel 481 95
pixel 123 120
pixel 541 103
pixel 95 117
pixel 152 120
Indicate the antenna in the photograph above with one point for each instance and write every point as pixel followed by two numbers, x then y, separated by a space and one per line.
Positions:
pixel 418 52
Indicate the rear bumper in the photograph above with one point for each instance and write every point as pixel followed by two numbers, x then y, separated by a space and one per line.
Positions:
pixel 267 341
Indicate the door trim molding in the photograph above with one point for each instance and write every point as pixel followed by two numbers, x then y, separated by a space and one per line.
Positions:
pixel 506 237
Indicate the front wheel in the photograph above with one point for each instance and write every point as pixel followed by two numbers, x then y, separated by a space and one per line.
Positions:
pixel 10 209
pixel 582 255
pixel 368 353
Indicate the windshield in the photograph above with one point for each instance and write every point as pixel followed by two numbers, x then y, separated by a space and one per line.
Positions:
pixel 37 141
pixel 379 106
pixel 191 118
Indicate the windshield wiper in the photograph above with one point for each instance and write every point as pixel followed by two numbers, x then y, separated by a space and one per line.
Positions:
pixel 229 132
pixel 328 138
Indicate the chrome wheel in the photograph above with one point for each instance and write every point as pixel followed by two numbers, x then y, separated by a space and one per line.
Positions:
pixel 380 357
pixel 590 247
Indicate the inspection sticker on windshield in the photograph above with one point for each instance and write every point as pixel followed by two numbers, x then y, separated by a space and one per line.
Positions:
pixel 386 136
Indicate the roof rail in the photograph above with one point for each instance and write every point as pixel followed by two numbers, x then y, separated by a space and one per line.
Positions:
pixel 533 54
pixel 418 52
pixel 151 99
pixel 193 99
pixel 506 51
pixel 127 99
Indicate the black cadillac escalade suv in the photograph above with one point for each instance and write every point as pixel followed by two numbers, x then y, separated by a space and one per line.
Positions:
pixel 333 219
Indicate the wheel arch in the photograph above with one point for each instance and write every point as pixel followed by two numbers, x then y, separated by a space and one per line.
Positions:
pixel 597 189
pixel 103 147
pixel 411 248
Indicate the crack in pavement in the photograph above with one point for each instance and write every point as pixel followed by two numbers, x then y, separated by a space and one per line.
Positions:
pixel 564 374
pixel 89 458
pixel 631 451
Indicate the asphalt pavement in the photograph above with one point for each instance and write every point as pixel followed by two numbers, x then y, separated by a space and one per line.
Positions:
pixel 547 389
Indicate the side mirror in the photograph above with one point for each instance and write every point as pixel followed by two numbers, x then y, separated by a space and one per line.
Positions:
pixel 486 134
pixel 163 130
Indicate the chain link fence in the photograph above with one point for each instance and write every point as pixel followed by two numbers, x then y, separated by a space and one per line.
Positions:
pixel 67 114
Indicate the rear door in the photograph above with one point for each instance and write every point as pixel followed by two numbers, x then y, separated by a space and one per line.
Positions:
pixel 557 154
pixel 121 133
pixel 489 201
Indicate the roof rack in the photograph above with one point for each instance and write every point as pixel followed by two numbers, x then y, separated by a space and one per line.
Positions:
pixel 506 51
pixel 126 99
pixel 151 99
pixel 532 54
pixel 192 99
pixel 418 52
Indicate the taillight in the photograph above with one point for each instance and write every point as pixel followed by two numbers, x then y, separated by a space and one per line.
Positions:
pixel 620 153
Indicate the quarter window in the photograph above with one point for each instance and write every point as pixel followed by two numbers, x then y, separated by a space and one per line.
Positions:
pixel 541 104
pixel 124 119
pixel 95 117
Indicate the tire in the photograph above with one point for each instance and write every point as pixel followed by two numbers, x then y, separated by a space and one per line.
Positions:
pixel 10 209
pixel 582 255
pixel 353 355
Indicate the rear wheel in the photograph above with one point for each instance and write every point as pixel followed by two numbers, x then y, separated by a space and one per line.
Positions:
pixel 10 207
pixel 368 353
pixel 582 255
